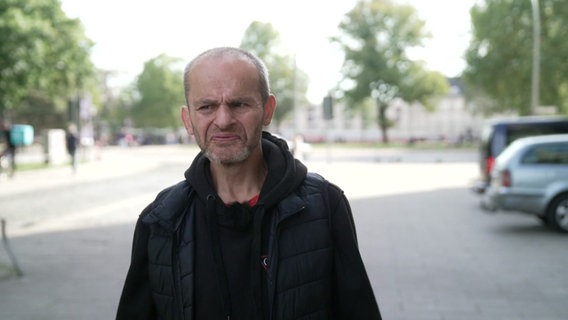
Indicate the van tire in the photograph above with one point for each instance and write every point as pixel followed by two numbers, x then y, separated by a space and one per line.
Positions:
pixel 557 213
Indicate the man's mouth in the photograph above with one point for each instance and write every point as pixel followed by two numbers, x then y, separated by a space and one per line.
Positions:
pixel 224 138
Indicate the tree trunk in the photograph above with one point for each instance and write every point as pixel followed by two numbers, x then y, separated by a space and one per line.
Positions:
pixel 383 121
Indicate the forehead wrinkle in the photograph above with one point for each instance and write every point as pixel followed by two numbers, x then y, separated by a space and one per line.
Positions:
pixel 220 91
pixel 228 100
pixel 208 82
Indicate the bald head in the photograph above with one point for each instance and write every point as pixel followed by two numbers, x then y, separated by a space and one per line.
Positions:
pixel 236 53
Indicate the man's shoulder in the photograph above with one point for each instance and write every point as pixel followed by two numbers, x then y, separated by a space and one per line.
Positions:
pixel 169 201
pixel 174 190
pixel 315 180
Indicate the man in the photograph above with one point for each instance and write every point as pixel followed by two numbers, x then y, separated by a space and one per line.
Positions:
pixel 248 234
pixel 10 148
pixel 72 143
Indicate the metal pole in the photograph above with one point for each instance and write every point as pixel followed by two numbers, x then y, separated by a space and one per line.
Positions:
pixel 11 254
pixel 536 57
pixel 294 98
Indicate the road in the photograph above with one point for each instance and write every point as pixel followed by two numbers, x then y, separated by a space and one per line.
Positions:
pixel 430 252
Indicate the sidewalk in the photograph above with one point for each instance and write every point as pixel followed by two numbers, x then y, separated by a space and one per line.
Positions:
pixel 110 162
pixel 73 267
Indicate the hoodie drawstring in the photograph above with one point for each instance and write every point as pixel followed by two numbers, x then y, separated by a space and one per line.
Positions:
pixel 256 256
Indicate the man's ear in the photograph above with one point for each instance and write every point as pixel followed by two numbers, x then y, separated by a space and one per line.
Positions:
pixel 186 120
pixel 269 108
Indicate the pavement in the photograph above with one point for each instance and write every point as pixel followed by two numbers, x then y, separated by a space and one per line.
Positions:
pixel 74 266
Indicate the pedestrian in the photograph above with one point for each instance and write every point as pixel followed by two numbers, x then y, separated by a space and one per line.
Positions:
pixel 249 233
pixel 9 152
pixel 72 143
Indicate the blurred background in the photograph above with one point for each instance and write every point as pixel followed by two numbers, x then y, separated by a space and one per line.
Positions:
pixel 360 71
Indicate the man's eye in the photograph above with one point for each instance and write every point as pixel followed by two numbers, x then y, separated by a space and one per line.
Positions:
pixel 239 105
pixel 205 107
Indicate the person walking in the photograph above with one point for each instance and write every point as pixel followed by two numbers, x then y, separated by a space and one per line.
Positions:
pixel 249 233
pixel 9 152
pixel 72 143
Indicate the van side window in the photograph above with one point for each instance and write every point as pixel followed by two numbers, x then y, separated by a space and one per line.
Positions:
pixel 516 131
pixel 556 153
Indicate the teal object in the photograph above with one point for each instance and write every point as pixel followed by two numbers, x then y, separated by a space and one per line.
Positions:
pixel 21 134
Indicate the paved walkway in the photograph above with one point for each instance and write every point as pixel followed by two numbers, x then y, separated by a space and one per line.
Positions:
pixel 73 267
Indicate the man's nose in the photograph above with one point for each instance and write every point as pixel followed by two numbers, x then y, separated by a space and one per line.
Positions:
pixel 223 116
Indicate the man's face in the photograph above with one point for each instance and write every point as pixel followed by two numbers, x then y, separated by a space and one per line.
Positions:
pixel 225 112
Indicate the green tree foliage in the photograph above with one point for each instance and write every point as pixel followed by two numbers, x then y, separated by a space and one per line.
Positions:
pixel 116 112
pixel 44 56
pixel 160 90
pixel 500 55
pixel 375 36
pixel 288 83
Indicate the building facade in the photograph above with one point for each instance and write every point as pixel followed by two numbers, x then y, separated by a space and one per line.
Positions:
pixel 453 120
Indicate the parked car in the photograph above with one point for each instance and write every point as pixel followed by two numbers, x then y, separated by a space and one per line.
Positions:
pixel 531 176
pixel 497 134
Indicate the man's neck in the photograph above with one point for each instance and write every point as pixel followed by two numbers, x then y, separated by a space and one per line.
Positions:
pixel 239 182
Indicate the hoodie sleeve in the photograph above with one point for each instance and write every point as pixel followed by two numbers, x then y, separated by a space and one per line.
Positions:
pixel 136 299
pixel 353 294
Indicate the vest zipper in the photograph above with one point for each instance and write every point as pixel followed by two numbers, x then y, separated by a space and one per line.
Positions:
pixel 178 303
pixel 272 254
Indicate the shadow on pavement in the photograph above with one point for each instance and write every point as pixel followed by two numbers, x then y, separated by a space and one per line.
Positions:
pixel 429 255
pixel 73 274
pixel 436 255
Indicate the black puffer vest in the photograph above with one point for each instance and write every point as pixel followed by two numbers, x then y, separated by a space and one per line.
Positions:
pixel 299 275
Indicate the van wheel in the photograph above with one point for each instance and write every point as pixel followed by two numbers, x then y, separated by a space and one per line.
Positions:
pixel 557 213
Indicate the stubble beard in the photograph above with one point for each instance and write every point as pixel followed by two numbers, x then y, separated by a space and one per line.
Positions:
pixel 228 159
pixel 233 159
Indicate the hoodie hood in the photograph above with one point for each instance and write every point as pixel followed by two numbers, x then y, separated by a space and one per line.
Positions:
pixel 236 231
pixel 285 173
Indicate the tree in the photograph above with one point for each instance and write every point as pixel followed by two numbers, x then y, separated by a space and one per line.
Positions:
pixel 160 90
pixel 115 113
pixel 288 83
pixel 44 55
pixel 499 57
pixel 374 37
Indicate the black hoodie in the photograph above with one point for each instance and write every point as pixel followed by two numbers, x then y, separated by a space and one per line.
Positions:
pixel 229 251
pixel 285 173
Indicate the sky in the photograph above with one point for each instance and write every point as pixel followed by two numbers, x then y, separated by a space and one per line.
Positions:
pixel 128 33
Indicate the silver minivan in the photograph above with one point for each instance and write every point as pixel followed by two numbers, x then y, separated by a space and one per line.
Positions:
pixel 497 134
pixel 531 176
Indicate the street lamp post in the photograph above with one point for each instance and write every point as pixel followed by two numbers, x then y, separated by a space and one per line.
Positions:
pixel 536 57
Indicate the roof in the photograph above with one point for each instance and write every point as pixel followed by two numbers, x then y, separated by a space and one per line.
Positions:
pixel 544 138
pixel 528 119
